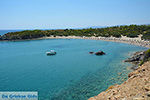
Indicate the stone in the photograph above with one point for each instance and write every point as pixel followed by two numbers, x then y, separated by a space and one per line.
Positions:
pixel 136 58
pixel 138 98
pixel 147 87
pixel 100 53
pixel 91 52
pixel 148 94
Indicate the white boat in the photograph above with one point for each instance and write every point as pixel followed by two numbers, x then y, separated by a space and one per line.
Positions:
pixel 51 52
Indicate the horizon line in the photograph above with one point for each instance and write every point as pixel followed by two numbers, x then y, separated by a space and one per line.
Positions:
pixel 73 27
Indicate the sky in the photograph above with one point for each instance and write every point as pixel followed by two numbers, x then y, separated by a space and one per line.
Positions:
pixel 56 14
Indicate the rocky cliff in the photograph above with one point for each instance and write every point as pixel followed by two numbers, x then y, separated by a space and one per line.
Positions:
pixel 137 87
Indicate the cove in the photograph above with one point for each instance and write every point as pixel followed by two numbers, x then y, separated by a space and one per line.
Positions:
pixel 72 74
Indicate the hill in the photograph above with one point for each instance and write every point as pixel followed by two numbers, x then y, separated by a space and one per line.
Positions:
pixel 115 31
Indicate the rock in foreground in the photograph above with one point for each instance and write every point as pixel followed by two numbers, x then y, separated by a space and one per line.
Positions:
pixel 137 87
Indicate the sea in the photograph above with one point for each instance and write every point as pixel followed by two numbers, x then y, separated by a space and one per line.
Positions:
pixel 2 32
pixel 71 74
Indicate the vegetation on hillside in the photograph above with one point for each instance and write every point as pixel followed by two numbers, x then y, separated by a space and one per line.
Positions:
pixel 115 31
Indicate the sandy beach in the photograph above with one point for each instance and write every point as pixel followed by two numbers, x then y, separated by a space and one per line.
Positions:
pixel 123 39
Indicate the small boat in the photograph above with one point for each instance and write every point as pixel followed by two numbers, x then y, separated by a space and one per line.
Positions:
pixel 51 52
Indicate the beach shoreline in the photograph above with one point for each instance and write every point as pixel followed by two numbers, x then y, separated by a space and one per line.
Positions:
pixel 133 41
pixel 123 39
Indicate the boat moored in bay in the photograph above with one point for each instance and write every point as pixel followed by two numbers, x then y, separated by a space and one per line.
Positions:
pixel 51 52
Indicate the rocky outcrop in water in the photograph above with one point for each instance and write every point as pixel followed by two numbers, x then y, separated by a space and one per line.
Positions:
pixel 139 58
pixel 91 52
pixel 99 53
pixel 136 58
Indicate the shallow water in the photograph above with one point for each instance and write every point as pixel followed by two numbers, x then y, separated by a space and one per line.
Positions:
pixel 72 74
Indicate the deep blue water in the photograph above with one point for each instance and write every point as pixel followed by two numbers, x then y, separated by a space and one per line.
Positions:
pixel 2 32
pixel 72 74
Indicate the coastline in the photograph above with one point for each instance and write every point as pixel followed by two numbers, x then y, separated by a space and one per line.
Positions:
pixel 123 39
pixel 133 41
pixel 137 87
pixel 132 89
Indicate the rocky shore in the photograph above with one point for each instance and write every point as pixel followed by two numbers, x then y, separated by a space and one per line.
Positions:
pixel 136 59
pixel 137 87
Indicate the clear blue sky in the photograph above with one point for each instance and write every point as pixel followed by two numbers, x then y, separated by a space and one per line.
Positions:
pixel 45 14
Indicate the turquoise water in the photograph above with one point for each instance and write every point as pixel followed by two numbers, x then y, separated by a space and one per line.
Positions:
pixel 72 74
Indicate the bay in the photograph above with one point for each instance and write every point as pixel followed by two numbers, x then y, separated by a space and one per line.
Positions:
pixel 71 74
